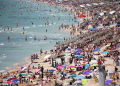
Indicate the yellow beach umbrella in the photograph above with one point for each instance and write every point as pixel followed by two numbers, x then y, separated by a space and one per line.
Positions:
pixel 84 81
pixel 107 45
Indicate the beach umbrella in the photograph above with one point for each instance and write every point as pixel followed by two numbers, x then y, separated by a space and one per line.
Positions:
pixel 47 56
pixel 80 56
pixel 60 67
pixel 73 75
pixel 81 66
pixel 105 52
pixel 94 65
pixel 108 82
pixel 118 45
pixel 22 75
pixel 52 70
pixel 81 15
pixel 11 79
pixel 81 5
pixel 77 82
pixel 37 70
pixel 70 66
pixel 86 72
pixel 24 68
pixel 78 50
pixel 84 81
pixel 33 64
pixel 111 12
pixel 80 77
pixel 86 66
pixel 107 45
pixel 16 80
pixel 9 82
pixel 97 49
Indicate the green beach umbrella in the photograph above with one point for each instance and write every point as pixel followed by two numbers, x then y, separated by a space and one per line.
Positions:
pixel 94 65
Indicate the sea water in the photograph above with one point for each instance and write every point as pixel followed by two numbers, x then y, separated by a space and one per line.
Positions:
pixel 23 12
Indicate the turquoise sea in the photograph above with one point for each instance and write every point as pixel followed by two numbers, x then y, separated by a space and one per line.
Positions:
pixel 23 12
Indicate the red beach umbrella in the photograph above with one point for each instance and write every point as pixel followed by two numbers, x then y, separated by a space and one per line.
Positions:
pixel 81 15
pixel 11 79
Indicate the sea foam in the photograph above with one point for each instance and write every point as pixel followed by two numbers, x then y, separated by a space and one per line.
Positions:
pixel 2 44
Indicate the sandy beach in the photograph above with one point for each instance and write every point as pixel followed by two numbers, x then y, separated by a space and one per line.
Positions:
pixel 87 59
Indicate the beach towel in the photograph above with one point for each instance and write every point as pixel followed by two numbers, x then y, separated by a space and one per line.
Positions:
pixel 109 65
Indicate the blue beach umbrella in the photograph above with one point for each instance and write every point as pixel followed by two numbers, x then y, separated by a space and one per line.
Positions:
pixel 73 75
pixel 86 66
pixel 105 52
pixel 33 64
pixel 52 70
pixel 16 80
pixel 80 77
pixel 97 49
pixel 80 56
pixel 117 45
pixel 91 28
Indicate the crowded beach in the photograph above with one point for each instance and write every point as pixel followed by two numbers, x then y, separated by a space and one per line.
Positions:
pixel 90 58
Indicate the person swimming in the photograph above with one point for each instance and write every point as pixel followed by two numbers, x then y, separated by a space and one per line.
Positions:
pixel 35 38
pixel 26 38
pixel 8 39
pixel 46 30
pixel 45 37
pixel 11 28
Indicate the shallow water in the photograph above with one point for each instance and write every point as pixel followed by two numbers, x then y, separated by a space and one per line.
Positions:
pixel 13 52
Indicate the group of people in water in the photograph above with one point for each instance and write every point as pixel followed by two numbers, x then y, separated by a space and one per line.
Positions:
pixel 46 19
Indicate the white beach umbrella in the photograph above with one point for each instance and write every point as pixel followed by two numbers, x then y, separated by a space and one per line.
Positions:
pixel 88 4
pixel 101 3
pixel 101 14
pixel 82 6
pixel 111 12
pixel 47 56
pixel 23 68
pixel 93 61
